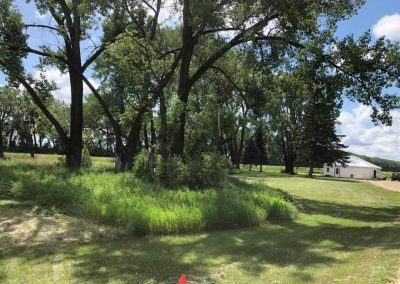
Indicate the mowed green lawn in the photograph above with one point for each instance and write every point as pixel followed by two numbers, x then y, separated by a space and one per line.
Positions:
pixel 346 232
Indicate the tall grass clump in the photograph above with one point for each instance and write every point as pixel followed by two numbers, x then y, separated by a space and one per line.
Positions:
pixel 50 191
pixel 147 208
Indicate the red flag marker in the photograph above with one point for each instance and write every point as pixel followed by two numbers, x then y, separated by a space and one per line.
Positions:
pixel 182 279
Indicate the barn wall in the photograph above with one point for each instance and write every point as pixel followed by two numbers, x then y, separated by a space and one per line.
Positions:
pixel 357 172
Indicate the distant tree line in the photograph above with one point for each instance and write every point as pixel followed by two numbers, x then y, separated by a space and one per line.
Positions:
pixel 385 164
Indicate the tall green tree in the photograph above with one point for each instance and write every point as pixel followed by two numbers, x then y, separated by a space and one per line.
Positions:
pixel 73 22
pixel 292 22
pixel 319 141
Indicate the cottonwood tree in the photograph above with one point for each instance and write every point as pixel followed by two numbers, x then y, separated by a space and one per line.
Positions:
pixel 142 65
pixel 140 71
pixel 275 24
pixel 285 112
pixel 74 21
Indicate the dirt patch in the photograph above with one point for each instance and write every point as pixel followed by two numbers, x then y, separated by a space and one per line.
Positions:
pixel 397 280
pixel 387 184
pixel 19 225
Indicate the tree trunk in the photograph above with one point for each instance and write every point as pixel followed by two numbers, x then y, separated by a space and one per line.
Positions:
pixel 131 148
pixel 121 160
pixel 260 167
pixel 311 172
pixel 31 145
pixel 74 150
pixel 163 128
pixel 178 139
pixel 241 146
pixel 10 139
pixel 289 167
pixel 153 137
pixel 146 137
pixel 1 142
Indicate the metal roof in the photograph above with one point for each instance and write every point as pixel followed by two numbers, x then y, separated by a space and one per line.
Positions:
pixel 360 163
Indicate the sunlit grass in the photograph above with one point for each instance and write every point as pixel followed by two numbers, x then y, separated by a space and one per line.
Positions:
pixel 141 208
pixel 359 245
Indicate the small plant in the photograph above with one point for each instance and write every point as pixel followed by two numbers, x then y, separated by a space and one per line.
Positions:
pixel 87 162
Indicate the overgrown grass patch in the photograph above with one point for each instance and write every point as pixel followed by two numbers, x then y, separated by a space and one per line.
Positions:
pixel 144 208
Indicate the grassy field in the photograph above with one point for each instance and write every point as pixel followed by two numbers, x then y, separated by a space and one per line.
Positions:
pixel 346 232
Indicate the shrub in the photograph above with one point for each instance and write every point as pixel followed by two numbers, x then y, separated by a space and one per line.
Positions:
pixel 171 172
pixel 210 171
pixel 87 162
pixel 141 167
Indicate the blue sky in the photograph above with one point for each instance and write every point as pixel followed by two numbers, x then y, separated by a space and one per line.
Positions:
pixel 367 17
pixel 382 17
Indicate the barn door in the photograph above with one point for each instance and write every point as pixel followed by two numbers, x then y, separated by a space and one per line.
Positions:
pixel 374 173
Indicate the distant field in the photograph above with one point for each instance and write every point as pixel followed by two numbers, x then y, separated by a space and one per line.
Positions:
pixel 347 232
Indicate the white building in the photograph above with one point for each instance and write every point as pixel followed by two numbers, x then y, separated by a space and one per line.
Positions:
pixel 356 168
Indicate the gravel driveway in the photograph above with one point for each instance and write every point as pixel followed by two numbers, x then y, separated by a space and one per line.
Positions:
pixel 387 184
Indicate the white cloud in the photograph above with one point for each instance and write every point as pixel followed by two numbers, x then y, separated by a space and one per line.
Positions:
pixel 388 26
pixel 62 82
pixel 41 17
pixel 363 137
pixel 169 13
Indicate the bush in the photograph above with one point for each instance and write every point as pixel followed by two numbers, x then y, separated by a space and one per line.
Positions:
pixel 210 171
pixel 87 162
pixel 171 172
pixel 141 167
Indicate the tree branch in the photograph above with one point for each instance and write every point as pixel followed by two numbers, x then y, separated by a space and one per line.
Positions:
pixel 43 108
pixel 34 51
pixel 42 26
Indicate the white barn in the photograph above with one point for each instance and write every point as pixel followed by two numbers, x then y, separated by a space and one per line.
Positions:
pixel 356 168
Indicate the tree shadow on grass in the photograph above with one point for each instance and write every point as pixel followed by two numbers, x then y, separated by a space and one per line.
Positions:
pixel 357 213
pixel 201 257
pixel 337 179
pixel 163 259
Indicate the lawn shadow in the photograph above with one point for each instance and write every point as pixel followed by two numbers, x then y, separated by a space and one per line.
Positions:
pixel 162 259
pixel 357 213
pixel 121 258
pixel 337 179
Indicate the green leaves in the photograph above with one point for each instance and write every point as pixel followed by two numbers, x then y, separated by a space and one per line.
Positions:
pixel 12 41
